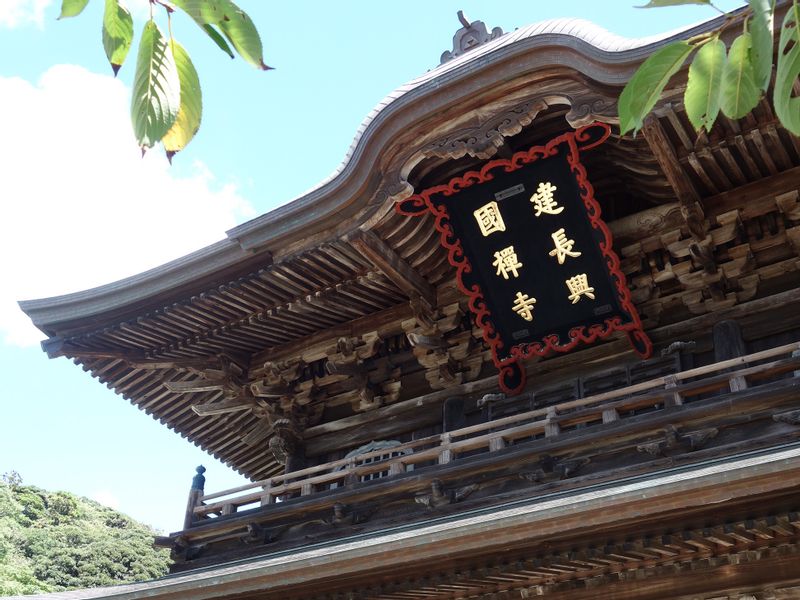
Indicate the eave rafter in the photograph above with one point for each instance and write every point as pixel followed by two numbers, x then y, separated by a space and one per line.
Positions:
pixel 399 272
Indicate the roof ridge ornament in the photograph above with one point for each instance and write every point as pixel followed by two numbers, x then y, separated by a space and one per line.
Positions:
pixel 471 35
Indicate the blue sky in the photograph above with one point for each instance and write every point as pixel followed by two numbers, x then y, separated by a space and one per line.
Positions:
pixel 80 208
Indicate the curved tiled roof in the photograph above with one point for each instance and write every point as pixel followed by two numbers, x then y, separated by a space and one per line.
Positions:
pixel 327 197
pixel 567 32
pixel 551 30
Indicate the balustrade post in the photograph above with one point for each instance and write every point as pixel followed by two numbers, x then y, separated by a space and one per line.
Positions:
pixel 195 494
pixel 551 427
pixel 350 477
pixel 675 399
pixel 610 415
pixel 445 455
pixel 496 443
pixel 266 495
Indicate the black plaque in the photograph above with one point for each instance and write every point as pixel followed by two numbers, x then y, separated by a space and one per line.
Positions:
pixel 533 254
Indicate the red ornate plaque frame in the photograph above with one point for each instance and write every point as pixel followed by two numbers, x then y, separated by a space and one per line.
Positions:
pixel 511 373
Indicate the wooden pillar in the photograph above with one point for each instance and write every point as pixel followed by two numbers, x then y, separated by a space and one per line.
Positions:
pixel 453 414
pixel 296 460
pixel 195 495
pixel 728 343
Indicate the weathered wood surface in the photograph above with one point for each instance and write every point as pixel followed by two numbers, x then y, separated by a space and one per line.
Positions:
pixel 393 266
pixel 505 464
pixel 668 535
pixel 664 153
pixel 549 420
pixel 745 267
pixel 344 264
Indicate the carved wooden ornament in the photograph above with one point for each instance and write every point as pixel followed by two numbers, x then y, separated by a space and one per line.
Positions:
pixel 533 254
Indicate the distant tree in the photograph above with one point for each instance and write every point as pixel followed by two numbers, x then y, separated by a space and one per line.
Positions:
pixel 11 478
pixel 53 541
pixel 732 80
pixel 167 102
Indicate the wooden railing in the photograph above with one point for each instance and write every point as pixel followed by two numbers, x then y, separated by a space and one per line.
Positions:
pixel 668 391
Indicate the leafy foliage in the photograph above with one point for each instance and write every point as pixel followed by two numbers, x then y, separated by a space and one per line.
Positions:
pixel 242 33
pixel 731 80
pixel 787 104
pixel 643 90
pixel 117 33
pixel 703 90
pixel 740 94
pixel 54 541
pixel 72 8
pixel 760 26
pixel 234 23
pixel 156 94
pixel 191 109
pixel 161 109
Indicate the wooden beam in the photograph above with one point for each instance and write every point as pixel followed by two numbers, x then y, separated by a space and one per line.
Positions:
pixel 314 347
pixel 693 215
pixel 265 390
pixel 748 198
pixel 210 363
pixel 56 347
pixel 402 274
pixel 664 153
pixel 195 385
pixel 394 416
pixel 218 408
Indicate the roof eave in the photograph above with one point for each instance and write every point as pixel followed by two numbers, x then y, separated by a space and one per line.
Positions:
pixel 344 190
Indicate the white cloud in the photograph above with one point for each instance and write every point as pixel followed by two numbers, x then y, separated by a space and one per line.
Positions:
pixel 106 498
pixel 79 207
pixel 17 13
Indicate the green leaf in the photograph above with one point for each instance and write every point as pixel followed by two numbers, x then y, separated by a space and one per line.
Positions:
pixel 760 26
pixel 207 13
pixel 238 27
pixel 117 33
pixel 660 3
pixel 740 94
pixel 234 23
pixel 702 97
pixel 72 8
pixel 191 110
pixel 644 89
pixel 156 88
pixel 787 105
pixel 203 12
pixel 218 39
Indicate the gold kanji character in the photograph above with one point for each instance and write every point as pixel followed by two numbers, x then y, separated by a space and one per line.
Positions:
pixel 506 262
pixel 579 286
pixel 523 306
pixel 543 201
pixel 489 218
pixel 563 247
